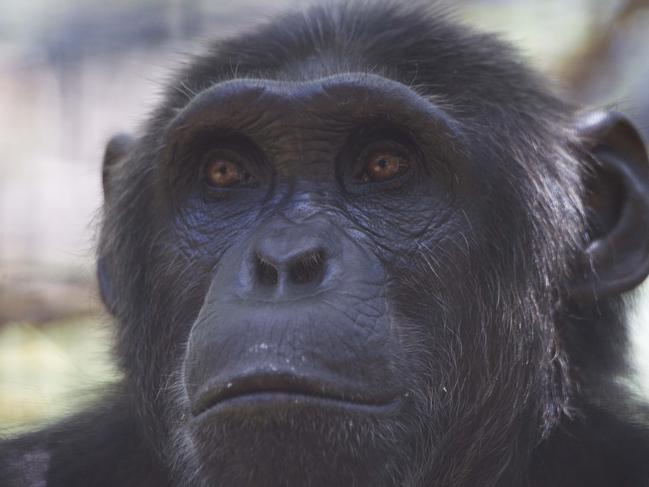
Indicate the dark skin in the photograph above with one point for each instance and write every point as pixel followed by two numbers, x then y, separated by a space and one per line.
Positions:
pixel 363 247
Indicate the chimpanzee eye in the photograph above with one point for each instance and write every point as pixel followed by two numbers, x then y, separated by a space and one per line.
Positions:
pixel 224 173
pixel 383 166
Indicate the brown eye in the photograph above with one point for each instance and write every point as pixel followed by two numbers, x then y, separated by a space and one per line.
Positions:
pixel 223 173
pixel 383 166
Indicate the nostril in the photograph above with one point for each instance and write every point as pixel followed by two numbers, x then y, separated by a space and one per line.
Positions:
pixel 265 272
pixel 308 269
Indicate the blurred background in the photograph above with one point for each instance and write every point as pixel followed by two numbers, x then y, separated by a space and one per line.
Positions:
pixel 72 73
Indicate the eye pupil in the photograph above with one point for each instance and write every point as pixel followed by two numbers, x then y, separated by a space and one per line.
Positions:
pixel 382 167
pixel 223 173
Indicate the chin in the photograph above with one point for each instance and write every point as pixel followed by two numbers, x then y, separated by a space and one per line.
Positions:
pixel 287 440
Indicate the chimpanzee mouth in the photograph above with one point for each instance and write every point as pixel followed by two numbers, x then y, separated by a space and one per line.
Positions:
pixel 268 390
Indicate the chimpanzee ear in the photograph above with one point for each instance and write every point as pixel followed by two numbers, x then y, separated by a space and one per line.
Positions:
pixel 616 253
pixel 106 290
pixel 116 150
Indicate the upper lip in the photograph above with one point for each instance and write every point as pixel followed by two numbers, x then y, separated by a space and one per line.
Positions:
pixel 274 382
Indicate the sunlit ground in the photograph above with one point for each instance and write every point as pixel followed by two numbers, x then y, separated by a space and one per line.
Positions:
pixel 49 370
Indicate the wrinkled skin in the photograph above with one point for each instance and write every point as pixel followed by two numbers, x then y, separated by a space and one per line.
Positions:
pixel 347 254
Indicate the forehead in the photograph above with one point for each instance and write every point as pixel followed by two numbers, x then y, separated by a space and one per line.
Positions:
pixel 349 97
pixel 310 118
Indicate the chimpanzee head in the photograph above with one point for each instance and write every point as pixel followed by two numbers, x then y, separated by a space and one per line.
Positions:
pixel 366 246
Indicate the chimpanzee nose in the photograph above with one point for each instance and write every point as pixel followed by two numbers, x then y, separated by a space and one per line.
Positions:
pixel 291 256
pixel 285 260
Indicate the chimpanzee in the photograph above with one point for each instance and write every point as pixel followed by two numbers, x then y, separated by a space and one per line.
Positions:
pixel 364 246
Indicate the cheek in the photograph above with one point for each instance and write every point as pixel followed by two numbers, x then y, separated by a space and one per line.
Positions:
pixel 208 224
pixel 177 279
pixel 437 292
pixel 396 225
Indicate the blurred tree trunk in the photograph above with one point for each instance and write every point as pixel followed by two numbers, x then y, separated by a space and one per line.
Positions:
pixel 584 64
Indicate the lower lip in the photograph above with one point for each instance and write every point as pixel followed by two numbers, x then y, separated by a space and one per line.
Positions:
pixel 260 401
